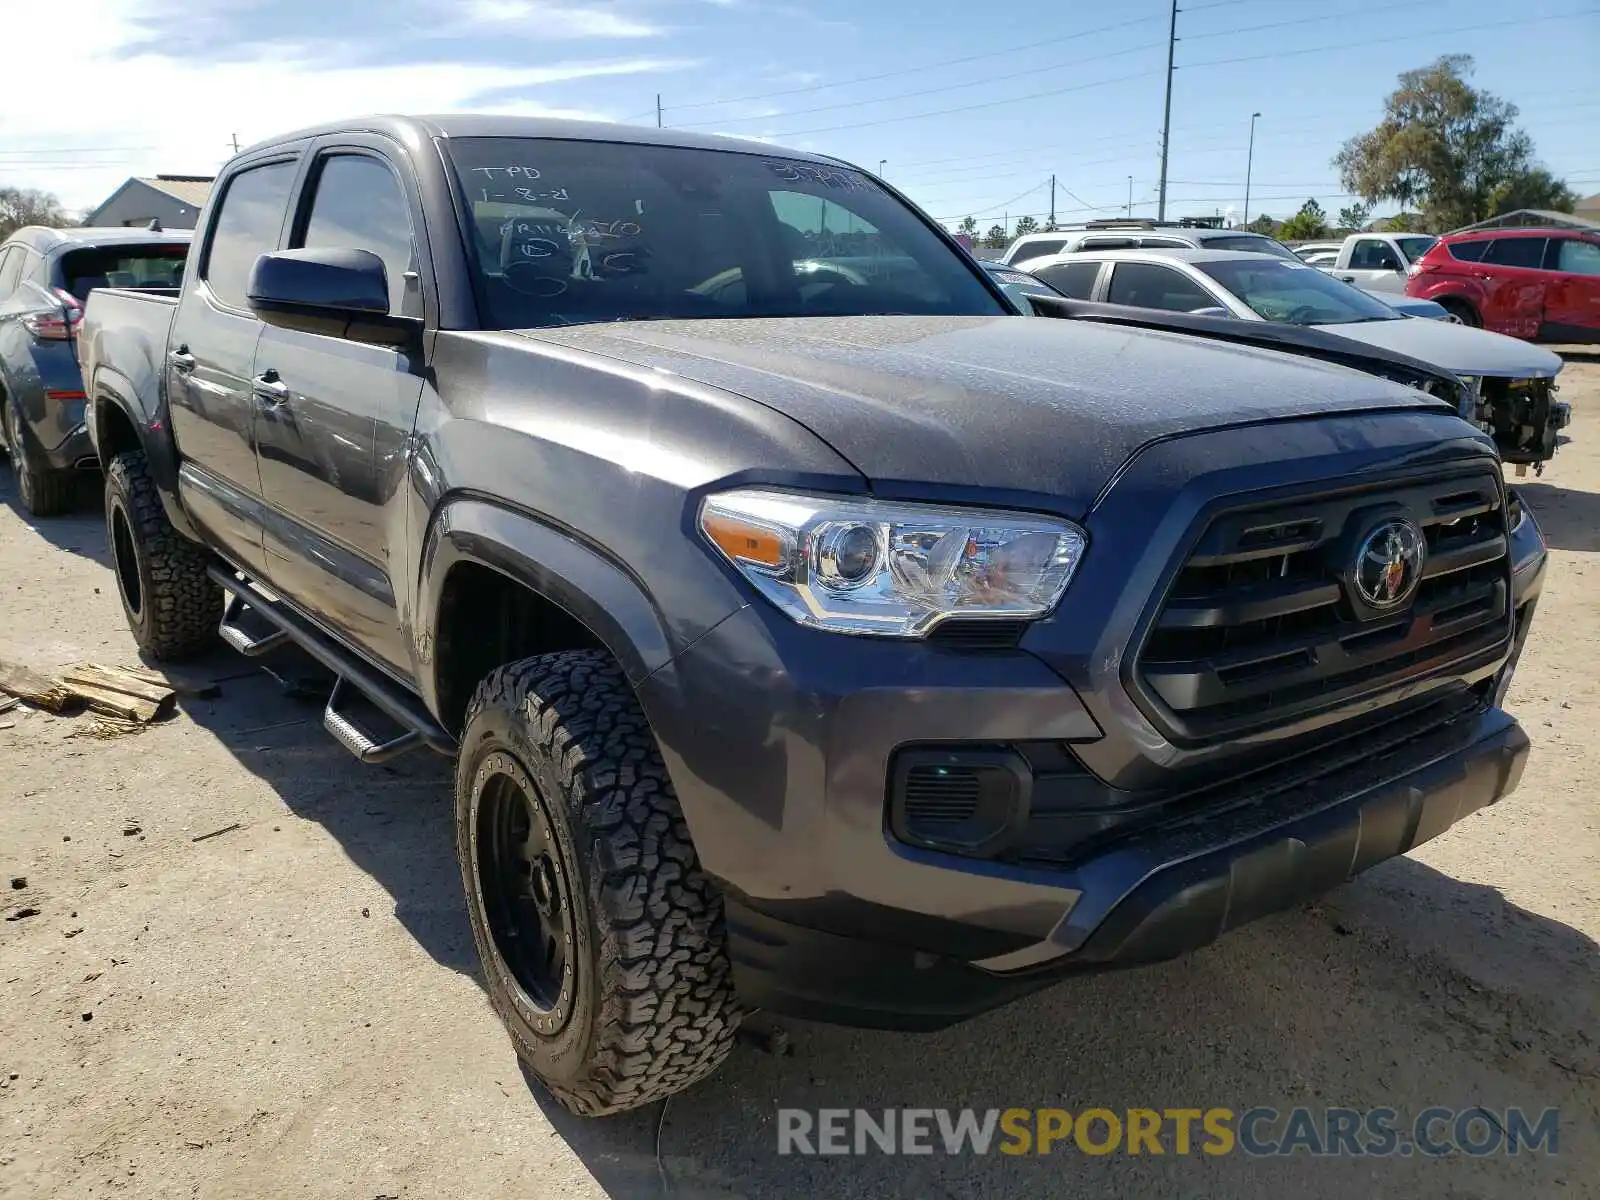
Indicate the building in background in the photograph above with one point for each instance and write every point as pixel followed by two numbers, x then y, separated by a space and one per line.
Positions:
pixel 174 200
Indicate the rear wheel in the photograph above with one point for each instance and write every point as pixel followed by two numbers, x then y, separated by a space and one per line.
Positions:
pixel 172 605
pixel 1462 312
pixel 601 938
pixel 43 492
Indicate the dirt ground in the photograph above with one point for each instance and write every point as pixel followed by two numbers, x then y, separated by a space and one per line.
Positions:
pixel 292 1008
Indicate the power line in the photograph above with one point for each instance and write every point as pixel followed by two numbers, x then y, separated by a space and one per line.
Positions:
pixel 949 87
pixel 948 62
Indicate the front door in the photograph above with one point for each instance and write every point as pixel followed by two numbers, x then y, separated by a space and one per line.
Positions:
pixel 1572 297
pixel 210 352
pixel 334 417
pixel 1374 265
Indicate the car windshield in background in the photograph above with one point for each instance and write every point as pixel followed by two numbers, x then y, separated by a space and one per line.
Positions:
pixel 1255 245
pixel 142 265
pixel 578 231
pixel 1415 247
pixel 1295 293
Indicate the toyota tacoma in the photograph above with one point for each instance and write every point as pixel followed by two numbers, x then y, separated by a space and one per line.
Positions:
pixel 811 633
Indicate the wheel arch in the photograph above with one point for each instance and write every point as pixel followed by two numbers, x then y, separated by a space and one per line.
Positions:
pixel 496 582
pixel 121 420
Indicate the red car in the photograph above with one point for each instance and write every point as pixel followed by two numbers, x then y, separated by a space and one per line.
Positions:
pixel 1538 284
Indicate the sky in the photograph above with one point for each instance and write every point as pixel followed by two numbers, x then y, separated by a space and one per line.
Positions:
pixel 969 109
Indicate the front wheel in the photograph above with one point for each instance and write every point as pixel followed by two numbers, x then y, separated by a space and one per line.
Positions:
pixel 602 940
pixel 1462 312
pixel 172 605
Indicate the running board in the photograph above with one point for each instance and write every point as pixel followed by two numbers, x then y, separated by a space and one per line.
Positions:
pixel 233 632
pixel 395 701
pixel 358 741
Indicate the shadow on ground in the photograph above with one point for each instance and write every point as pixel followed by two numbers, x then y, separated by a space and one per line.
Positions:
pixel 1569 519
pixel 82 531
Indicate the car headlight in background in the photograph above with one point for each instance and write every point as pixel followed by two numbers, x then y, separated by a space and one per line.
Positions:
pixel 887 569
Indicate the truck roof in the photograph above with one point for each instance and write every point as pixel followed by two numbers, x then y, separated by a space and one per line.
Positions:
pixel 453 125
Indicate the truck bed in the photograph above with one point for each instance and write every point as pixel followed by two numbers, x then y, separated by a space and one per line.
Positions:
pixel 128 328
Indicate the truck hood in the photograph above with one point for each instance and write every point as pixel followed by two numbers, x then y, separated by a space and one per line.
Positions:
pixel 1048 407
pixel 1459 349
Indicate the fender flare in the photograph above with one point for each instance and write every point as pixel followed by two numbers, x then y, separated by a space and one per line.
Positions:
pixel 112 388
pixel 589 587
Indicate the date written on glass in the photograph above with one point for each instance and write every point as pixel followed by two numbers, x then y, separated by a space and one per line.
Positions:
pixel 800 172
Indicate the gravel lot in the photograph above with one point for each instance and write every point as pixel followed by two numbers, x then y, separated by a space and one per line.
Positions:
pixel 292 1008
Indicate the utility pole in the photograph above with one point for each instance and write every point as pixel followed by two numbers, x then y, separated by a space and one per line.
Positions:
pixel 236 143
pixel 658 110
pixel 1249 162
pixel 1166 120
pixel 882 163
pixel 1130 196
pixel 1052 202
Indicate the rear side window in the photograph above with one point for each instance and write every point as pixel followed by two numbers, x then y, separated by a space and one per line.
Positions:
pixel 1039 249
pixel 247 226
pixel 1578 257
pixel 1107 243
pixel 1516 252
pixel 359 205
pixel 1467 251
pixel 1075 279
pixel 145 267
pixel 1146 285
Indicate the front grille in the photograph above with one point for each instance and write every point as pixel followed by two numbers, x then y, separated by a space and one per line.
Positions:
pixel 1262 624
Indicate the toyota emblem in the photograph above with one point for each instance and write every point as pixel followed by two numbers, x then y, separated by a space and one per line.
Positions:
pixel 1388 563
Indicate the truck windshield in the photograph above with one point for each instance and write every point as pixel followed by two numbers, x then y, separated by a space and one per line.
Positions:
pixel 1295 292
pixel 577 231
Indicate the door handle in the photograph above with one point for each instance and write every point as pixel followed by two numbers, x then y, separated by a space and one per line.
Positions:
pixel 1347 279
pixel 271 390
pixel 180 359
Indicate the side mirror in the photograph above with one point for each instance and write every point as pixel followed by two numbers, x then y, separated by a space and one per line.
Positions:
pixel 1211 310
pixel 335 293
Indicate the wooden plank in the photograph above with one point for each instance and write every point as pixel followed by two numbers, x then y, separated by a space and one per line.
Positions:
pixel 118 704
pixel 198 691
pixel 29 685
pixel 117 681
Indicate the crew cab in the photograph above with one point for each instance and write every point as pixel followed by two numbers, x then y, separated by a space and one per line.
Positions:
pixel 1378 262
pixel 46 276
pixel 811 632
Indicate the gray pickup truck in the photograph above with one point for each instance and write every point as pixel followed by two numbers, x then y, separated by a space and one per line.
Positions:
pixel 811 632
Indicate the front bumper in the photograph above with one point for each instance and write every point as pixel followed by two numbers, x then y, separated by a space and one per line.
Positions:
pixel 1168 892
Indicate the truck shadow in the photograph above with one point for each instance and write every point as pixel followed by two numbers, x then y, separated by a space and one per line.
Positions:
pixel 82 531
pixel 1315 1007
pixel 1569 519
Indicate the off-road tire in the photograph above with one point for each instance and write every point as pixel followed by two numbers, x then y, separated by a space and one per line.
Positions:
pixel 42 491
pixel 653 1008
pixel 1463 312
pixel 177 608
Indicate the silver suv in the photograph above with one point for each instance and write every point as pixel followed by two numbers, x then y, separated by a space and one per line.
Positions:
pixel 1137 235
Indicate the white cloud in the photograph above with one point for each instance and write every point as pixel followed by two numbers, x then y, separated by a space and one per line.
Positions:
pixel 179 114
pixel 543 21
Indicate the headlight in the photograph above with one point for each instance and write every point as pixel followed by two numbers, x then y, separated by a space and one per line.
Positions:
pixel 888 569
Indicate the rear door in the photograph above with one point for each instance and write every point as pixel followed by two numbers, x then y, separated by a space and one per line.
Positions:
pixel 1514 284
pixel 334 417
pixel 1150 285
pixel 1374 264
pixel 1572 294
pixel 210 352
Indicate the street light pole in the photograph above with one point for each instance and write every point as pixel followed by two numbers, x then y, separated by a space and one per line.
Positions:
pixel 882 163
pixel 1249 162
pixel 1130 195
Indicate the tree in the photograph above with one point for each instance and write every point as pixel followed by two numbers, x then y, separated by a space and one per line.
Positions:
pixel 997 239
pixel 1049 226
pixel 1449 149
pixel 27 206
pixel 1026 225
pixel 969 226
pixel 1309 222
pixel 1355 216
pixel 1263 224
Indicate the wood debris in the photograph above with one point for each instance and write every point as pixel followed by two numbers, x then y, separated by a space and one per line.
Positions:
pixel 38 690
pixel 135 697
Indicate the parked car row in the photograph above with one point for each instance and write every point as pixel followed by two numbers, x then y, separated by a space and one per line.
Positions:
pixel 812 632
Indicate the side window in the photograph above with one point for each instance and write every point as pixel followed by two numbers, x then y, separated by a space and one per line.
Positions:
pixel 1467 251
pixel 1075 279
pixel 1146 285
pixel 1042 249
pixel 1578 257
pixel 1370 254
pixel 11 259
pixel 1516 252
pixel 1163 243
pixel 360 205
pixel 247 226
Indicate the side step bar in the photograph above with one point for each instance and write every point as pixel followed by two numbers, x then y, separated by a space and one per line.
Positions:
pixel 398 704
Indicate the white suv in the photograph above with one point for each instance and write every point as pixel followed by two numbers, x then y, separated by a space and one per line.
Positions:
pixel 1138 236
